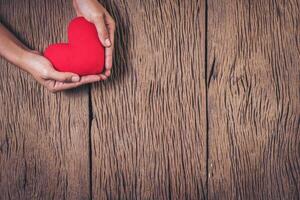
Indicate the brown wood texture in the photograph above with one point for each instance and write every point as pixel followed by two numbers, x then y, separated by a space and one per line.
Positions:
pixel 253 99
pixel 44 140
pixel 148 126
pixel 203 103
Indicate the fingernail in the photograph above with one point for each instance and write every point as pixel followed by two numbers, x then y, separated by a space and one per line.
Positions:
pixel 107 42
pixel 103 77
pixel 75 79
pixel 107 73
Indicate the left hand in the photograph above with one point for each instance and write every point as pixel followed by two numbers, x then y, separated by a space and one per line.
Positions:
pixel 95 13
pixel 44 73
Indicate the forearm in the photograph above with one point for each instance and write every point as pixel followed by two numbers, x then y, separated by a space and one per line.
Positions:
pixel 11 48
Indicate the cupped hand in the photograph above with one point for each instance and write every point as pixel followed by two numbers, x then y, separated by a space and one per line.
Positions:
pixel 95 13
pixel 44 73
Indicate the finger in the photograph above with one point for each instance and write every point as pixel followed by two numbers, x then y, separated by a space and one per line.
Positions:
pixel 63 76
pixel 78 13
pixel 60 86
pixel 107 73
pixel 109 57
pixel 102 30
pixel 103 77
pixel 109 50
pixel 36 52
pixel 89 79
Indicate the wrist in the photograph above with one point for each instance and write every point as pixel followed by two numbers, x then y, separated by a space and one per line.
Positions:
pixel 16 57
pixel 25 57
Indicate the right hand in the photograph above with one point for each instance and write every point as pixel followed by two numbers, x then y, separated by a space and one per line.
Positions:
pixel 44 73
pixel 95 13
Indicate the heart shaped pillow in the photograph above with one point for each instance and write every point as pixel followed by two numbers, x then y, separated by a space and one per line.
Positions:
pixel 83 55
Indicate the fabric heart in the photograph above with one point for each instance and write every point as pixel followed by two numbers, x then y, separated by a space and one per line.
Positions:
pixel 83 55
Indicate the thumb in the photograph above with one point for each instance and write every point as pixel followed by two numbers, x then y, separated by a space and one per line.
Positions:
pixel 64 76
pixel 102 30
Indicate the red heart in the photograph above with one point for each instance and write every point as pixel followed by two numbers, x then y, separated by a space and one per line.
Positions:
pixel 83 55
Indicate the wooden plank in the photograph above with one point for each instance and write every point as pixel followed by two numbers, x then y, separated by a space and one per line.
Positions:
pixel 44 152
pixel 253 99
pixel 149 125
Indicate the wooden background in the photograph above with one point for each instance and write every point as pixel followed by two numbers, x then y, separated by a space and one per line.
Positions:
pixel 203 103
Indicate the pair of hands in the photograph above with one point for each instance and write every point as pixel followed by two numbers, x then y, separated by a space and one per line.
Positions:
pixel 41 68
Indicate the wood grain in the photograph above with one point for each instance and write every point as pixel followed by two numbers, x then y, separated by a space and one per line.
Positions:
pixel 253 99
pixel 148 126
pixel 170 123
pixel 43 137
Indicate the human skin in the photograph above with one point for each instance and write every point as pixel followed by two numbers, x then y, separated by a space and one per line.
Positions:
pixel 42 70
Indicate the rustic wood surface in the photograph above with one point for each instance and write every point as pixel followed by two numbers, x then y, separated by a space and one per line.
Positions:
pixel 44 141
pixel 203 103
pixel 253 99
pixel 148 126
